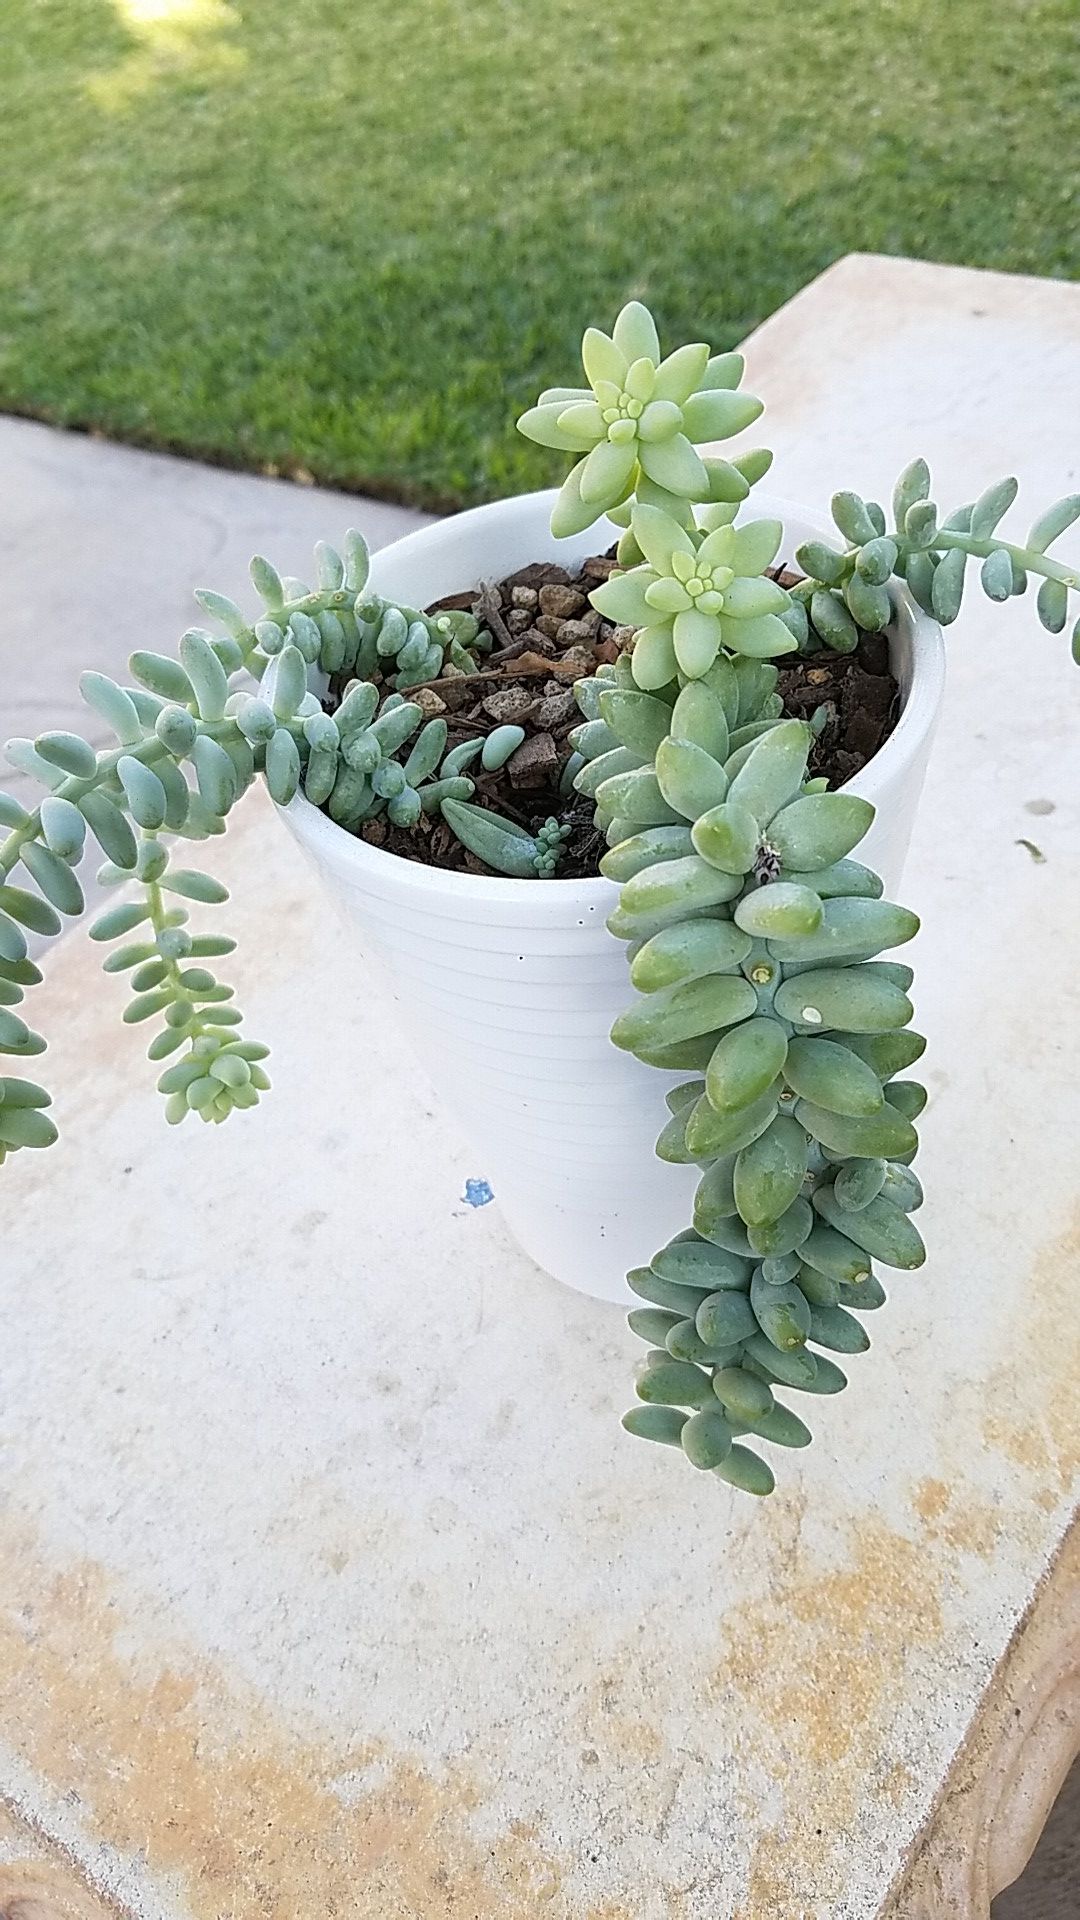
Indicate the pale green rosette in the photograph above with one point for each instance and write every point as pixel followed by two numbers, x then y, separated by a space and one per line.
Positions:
pixel 697 595
pixel 638 423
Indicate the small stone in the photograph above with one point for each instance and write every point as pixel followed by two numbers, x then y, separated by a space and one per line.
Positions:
pixel 575 633
pixel 535 641
pixel 562 603
pixel 818 676
pixel 538 573
pixel 556 710
pixel 622 637
pixel 599 566
pixel 518 620
pixel 524 597
pixel 429 701
pixel 374 832
pixel 508 705
pixel 575 664
pixel 549 626
pixel 534 762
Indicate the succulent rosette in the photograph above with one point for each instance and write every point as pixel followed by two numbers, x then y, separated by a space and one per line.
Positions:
pixel 696 595
pixel 639 421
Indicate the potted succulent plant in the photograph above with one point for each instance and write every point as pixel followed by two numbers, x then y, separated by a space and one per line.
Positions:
pixel 412 722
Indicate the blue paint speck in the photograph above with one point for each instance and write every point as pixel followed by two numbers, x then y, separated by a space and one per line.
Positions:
pixel 477 1193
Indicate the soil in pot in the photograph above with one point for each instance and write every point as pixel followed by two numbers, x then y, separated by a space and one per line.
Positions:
pixel 545 636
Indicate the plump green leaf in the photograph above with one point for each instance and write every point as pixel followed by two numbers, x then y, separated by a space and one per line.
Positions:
pixel 780 912
pixel 54 877
pixel 69 751
pixel 681 1012
pixel 29 909
pixel 820 829
pixel 1052 605
pixel 830 1075
pixel 664 1424
pixel 880 1228
pixel 192 885
pixel 690 780
pixel 675 1383
pixel 883 1135
pixel 710 1131
pixel 686 951
pixel 1053 522
pixel 110 828
pixel 947 590
pixel 25 1127
pixel 63 827
pixel 774 771
pixel 745 1063
pixel 831 1326
pixel 833 622
pixel 672 889
pixel 851 999
pixel 769 1172
pixel 746 1470
pixel 114 705
pixel 706 1437
pixel 782 1313
pixel 727 837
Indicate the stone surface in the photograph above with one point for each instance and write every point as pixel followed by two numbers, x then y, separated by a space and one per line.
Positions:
pixel 331 1585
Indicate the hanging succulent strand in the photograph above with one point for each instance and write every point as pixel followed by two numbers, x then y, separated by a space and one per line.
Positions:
pixel 751 934
pixel 192 735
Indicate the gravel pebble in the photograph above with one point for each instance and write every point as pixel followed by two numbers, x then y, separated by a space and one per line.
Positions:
pixel 576 633
pixel 575 663
pixel 555 710
pixel 507 704
pixel 429 700
pixel 534 762
pixel 562 603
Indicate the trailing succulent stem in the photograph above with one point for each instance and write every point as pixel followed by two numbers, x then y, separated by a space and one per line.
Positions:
pixel 192 735
pixel 848 589
pixel 751 934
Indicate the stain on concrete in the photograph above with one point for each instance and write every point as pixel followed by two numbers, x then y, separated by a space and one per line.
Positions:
pixel 819 1667
pixel 177 1766
pixel 1046 1346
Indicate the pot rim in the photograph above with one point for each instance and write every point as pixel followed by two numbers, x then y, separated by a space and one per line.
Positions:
pixel 917 717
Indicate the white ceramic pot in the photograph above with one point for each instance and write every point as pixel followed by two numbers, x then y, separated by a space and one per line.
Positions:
pixel 511 986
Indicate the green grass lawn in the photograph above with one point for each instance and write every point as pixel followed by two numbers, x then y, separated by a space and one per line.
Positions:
pixel 351 237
